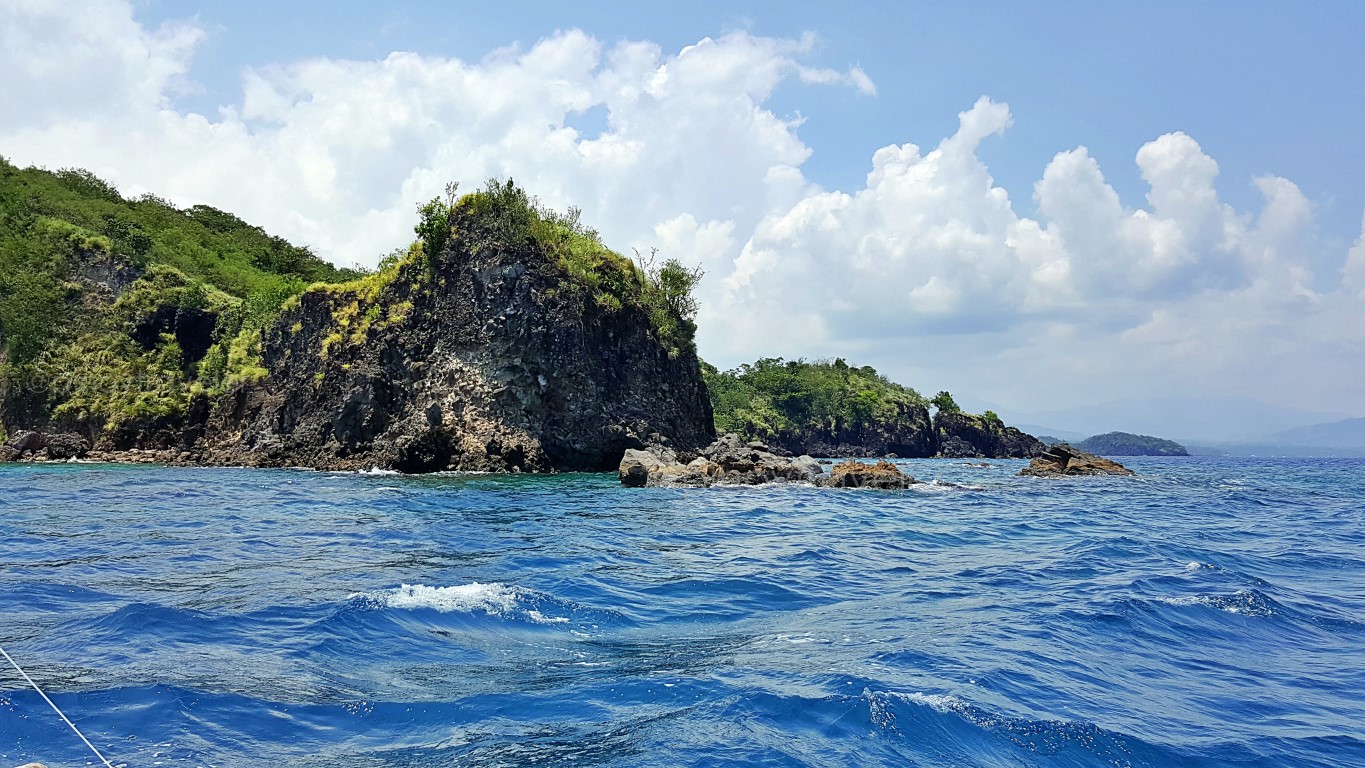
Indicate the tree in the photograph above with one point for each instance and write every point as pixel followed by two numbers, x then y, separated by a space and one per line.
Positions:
pixel 433 225
pixel 675 283
pixel 944 403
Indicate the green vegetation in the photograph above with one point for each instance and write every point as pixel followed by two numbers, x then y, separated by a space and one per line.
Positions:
pixel 945 403
pixel 1127 444
pixel 97 291
pixel 776 399
pixel 86 276
pixel 503 215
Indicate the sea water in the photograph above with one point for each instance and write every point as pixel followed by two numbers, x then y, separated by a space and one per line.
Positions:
pixel 1208 612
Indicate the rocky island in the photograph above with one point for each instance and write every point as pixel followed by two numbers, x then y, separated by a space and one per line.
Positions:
pixel 1129 444
pixel 505 338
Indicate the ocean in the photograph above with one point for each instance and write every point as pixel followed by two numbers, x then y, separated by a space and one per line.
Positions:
pixel 1208 612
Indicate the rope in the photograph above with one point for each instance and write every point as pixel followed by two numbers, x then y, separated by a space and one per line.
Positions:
pixel 50 703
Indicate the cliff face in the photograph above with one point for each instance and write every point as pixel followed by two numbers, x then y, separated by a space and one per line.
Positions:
pixel 908 434
pixel 485 356
pixel 912 434
pixel 962 435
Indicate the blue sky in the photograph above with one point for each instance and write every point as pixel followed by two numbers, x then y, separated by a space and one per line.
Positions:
pixel 1146 201
pixel 1265 87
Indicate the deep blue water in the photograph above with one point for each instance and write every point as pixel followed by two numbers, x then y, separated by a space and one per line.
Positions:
pixel 1210 612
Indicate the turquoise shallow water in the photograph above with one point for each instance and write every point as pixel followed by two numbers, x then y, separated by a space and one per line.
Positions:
pixel 1210 612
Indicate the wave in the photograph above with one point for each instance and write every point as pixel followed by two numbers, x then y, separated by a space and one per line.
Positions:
pixel 1244 602
pixel 1062 742
pixel 493 599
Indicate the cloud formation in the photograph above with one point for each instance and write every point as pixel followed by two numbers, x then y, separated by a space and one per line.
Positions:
pixel 927 271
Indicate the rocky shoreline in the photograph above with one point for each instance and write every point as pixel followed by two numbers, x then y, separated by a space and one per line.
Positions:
pixel 727 461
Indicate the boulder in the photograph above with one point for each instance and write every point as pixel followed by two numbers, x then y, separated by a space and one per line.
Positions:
pixel 1062 459
pixel 66 446
pixel 954 447
pixel 35 445
pixel 883 476
pixel 25 443
pixel 638 466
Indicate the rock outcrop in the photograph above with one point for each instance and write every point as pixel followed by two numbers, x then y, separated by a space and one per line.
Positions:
pixel 31 446
pixel 883 476
pixel 964 436
pixel 485 356
pixel 730 461
pixel 1062 460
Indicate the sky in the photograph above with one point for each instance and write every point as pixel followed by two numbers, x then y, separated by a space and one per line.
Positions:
pixel 1076 206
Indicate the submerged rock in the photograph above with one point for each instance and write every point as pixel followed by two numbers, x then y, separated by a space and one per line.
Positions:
pixel 1062 459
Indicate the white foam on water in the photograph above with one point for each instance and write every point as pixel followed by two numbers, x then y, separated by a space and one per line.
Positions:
pixel 1243 602
pixel 943 703
pixel 378 471
pixel 466 598
pixel 494 599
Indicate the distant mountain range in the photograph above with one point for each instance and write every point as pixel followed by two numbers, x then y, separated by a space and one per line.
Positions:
pixel 1345 437
pixel 1347 433
pixel 1185 419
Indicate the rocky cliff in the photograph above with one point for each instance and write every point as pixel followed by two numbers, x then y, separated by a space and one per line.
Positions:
pixel 507 338
pixel 825 408
pixel 963 435
pixel 484 356
pixel 907 432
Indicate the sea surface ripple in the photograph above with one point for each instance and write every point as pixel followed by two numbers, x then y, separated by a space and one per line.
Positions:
pixel 1209 612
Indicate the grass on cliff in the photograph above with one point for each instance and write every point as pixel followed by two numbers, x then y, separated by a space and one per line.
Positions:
pixel 775 398
pixel 504 215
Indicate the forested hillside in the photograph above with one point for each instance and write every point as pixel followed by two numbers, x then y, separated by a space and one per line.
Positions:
pixel 118 310
pixel 836 409
pixel 1128 444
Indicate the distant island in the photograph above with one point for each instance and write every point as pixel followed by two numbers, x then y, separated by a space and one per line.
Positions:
pixel 1128 444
